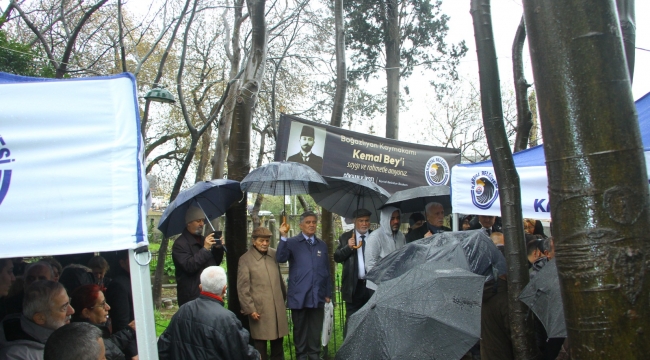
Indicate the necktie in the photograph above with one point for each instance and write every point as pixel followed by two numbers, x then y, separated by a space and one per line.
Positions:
pixel 363 237
pixel 310 241
pixel 488 231
pixel 305 158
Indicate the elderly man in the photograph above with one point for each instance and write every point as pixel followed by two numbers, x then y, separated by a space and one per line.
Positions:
pixel 487 224
pixel 435 218
pixel 305 155
pixel 350 253
pixel 46 308
pixel 384 240
pixel 40 270
pixel 192 253
pixel 218 335
pixel 309 284
pixel 76 341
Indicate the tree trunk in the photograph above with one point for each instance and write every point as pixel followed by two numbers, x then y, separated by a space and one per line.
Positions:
pixel 218 161
pixel 524 116
pixel 341 70
pixel 239 152
pixel 534 133
pixel 392 44
pixel 120 31
pixel 303 203
pixel 521 325
pixel 598 185
pixel 260 197
pixel 626 15
pixel 204 154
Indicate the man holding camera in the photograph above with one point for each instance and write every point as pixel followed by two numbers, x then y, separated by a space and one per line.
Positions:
pixel 192 253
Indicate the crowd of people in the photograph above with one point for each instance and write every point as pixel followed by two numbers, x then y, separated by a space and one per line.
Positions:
pixel 45 304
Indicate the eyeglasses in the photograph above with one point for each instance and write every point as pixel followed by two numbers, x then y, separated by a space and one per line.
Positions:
pixel 102 305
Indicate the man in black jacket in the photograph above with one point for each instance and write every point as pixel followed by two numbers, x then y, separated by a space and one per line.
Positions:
pixel 350 253
pixel 218 335
pixel 192 253
pixel 435 218
pixel 305 155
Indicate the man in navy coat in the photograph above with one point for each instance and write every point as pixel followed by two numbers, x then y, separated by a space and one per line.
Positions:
pixel 309 284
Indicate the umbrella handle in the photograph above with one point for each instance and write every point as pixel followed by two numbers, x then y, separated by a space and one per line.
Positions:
pixel 284 219
pixel 354 235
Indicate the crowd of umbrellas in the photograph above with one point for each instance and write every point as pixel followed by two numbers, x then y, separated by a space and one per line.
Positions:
pixel 428 298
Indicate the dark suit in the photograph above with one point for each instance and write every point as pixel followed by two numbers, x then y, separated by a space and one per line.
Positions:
pixel 353 291
pixel 315 162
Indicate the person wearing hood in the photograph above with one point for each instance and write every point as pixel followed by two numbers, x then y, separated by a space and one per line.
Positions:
pixel 385 239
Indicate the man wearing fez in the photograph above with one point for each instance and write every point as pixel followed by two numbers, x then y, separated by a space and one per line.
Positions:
pixel 305 156
pixel 192 253
pixel 309 284
pixel 350 253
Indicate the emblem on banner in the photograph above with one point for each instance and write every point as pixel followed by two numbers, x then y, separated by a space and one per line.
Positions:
pixel 484 190
pixel 5 174
pixel 436 171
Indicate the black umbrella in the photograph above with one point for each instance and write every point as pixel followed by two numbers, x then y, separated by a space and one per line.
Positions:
pixel 214 197
pixel 415 199
pixel 282 178
pixel 473 248
pixel 542 295
pixel 344 195
pixel 431 312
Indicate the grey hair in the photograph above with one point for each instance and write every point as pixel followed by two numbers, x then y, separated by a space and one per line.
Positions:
pixel 431 205
pixel 213 279
pixel 39 297
pixel 38 264
pixel 308 214
pixel 74 341
pixel 545 245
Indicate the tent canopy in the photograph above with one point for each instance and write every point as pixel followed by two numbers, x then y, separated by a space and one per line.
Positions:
pixel 71 166
pixel 474 189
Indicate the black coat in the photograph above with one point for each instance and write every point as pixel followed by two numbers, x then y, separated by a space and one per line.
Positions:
pixel 417 234
pixel 348 257
pixel 119 297
pixel 190 259
pixel 315 162
pixel 204 329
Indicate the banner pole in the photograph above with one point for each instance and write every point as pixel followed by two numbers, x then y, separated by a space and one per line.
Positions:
pixel 143 304
pixel 454 222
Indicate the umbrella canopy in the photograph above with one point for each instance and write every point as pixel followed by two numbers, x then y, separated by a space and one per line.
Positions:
pixel 214 197
pixel 344 195
pixel 542 295
pixel 282 178
pixel 415 199
pixel 472 250
pixel 431 312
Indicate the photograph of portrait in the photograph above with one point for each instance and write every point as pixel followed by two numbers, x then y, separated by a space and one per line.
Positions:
pixel 306 145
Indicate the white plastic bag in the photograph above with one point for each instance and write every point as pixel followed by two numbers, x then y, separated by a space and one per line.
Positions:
pixel 328 323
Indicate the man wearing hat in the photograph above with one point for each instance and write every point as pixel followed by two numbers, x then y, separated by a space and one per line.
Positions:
pixel 305 156
pixel 350 253
pixel 192 253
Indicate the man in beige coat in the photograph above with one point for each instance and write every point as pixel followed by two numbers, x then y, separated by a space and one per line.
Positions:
pixel 262 295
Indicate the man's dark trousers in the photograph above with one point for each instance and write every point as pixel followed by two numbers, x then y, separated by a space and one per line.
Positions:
pixel 360 297
pixel 307 326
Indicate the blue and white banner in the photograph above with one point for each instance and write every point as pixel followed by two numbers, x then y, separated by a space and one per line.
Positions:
pixel 474 189
pixel 71 165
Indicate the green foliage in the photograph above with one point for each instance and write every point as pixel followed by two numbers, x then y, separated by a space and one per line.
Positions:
pixel 19 59
pixel 161 322
pixel 422 37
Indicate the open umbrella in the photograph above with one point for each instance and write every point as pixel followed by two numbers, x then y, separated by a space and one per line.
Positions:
pixel 415 199
pixel 473 248
pixel 542 295
pixel 431 312
pixel 280 178
pixel 214 197
pixel 343 196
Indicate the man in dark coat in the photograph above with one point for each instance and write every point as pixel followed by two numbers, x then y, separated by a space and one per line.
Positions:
pixel 434 225
pixel 309 284
pixel 218 335
pixel 120 295
pixel 350 253
pixel 305 156
pixel 192 253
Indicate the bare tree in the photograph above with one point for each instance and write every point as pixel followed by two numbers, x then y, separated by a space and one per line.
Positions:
pixel 600 218
pixel 524 116
pixel 521 325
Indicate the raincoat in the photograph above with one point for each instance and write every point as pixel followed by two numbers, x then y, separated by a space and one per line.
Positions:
pixel 383 241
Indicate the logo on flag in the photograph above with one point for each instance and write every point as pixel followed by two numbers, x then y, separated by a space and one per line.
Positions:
pixel 484 190
pixel 436 171
pixel 5 174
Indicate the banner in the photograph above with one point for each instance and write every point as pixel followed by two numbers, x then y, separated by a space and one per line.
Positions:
pixel 391 164
pixel 72 177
